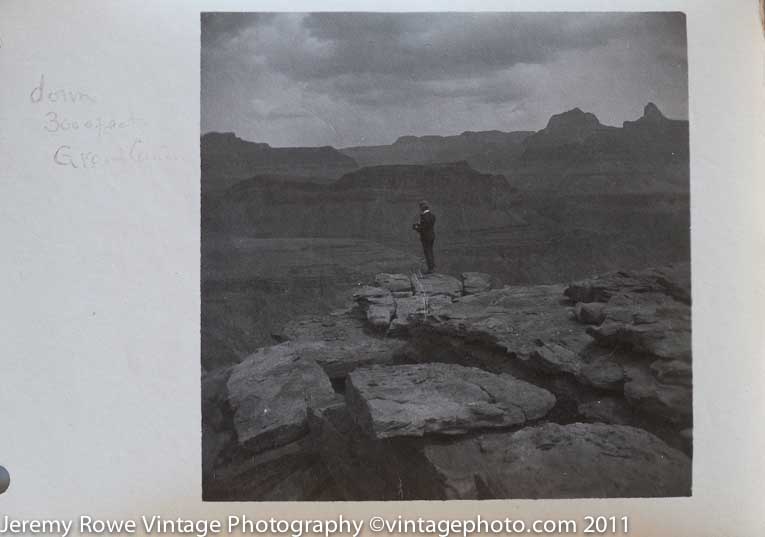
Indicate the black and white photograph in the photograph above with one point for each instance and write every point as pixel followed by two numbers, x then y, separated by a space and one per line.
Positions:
pixel 445 256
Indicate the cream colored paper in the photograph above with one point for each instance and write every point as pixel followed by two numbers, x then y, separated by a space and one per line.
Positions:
pixel 99 383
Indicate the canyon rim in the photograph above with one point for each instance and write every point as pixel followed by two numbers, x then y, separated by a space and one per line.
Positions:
pixel 548 355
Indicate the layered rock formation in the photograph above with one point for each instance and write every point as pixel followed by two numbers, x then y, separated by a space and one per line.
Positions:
pixel 576 154
pixel 377 203
pixel 434 387
pixel 478 148
pixel 566 129
pixel 227 159
pixel 620 200
pixel 602 366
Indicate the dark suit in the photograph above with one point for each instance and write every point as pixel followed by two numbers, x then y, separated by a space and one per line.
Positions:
pixel 426 228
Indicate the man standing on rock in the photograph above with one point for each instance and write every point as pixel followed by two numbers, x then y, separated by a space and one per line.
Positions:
pixel 426 228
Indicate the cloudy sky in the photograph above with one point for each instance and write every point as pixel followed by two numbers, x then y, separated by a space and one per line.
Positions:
pixel 346 79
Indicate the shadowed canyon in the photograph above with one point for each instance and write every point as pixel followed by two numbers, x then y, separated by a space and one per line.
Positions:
pixel 554 336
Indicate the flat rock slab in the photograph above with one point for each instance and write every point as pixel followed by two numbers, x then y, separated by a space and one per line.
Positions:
pixel 378 305
pixel 370 293
pixel 338 325
pixel 676 280
pixel 534 325
pixel 414 400
pixel 560 461
pixel 395 283
pixel 530 323
pixel 475 282
pixel 647 393
pixel 411 309
pixel 652 323
pixel 602 373
pixel 339 343
pixel 269 393
pixel 437 284
pixel 671 280
pixel 337 360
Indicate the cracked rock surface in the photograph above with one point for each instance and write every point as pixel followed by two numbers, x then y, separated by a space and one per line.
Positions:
pixel 435 387
pixel 419 399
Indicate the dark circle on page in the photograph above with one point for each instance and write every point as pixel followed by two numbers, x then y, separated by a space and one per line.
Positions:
pixel 5 479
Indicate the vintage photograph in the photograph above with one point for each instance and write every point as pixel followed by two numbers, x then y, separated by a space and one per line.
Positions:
pixel 445 256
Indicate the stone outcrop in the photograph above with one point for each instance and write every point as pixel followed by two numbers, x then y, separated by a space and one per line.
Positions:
pixel 647 322
pixel 628 332
pixel 459 391
pixel 338 343
pixel 411 309
pixel 414 400
pixel 270 393
pixel 672 280
pixel 603 373
pixel 647 393
pixel 339 326
pixel 475 282
pixel 529 323
pixel 437 284
pixel 378 304
pixel 399 284
pixel 398 300
pixel 255 429
pixel 561 461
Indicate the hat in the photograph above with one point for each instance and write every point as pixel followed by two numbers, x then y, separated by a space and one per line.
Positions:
pixel 424 203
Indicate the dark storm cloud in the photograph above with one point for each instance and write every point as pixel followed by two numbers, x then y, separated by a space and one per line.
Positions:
pixel 220 26
pixel 419 45
pixel 425 47
pixel 355 73
pixel 372 89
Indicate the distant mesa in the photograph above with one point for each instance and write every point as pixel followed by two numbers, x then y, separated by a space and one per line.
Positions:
pixel 413 139
pixel 227 141
pixel 653 118
pixel 568 127
pixel 574 144
pixel 651 112
pixel 374 202
pixel 576 153
pixel 422 180
pixel 476 147
pixel 573 118
pixel 228 159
